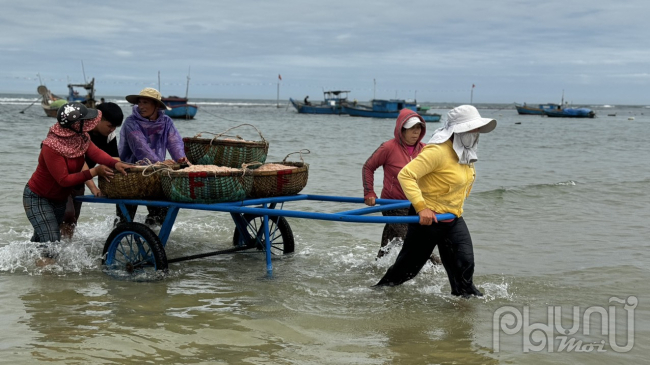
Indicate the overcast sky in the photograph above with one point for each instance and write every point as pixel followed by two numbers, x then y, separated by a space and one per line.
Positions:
pixel 597 51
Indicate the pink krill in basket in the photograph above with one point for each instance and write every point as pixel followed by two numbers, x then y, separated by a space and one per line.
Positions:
pixel 208 168
pixel 274 167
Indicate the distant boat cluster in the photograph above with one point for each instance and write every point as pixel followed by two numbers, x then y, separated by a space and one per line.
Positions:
pixel 336 102
pixel 554 111
pixel 179 107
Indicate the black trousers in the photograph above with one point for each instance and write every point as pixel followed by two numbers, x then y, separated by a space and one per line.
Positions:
pixel 456 252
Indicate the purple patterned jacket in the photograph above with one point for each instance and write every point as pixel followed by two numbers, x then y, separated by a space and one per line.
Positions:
pixel 141 138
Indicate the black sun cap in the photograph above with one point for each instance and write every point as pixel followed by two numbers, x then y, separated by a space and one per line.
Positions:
pixel 74 112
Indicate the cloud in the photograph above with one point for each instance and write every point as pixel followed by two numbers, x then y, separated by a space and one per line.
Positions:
pixel 510 48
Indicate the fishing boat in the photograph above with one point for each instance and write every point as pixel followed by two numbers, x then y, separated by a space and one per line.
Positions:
pixel 88 100
pixel 179 107
pixel 388 109
pixel 51 102
pixel 380 108
pixel 333 102
pixel 571 113
pixel 430 118
pixel 538 110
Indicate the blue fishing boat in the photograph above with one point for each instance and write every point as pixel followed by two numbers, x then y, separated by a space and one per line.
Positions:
pixel 179 107
pixel 430 118
pixel 88 99
pixel 571 113
pixel 380 108
pixel 539 110
pixel 332 103
pixel 387 109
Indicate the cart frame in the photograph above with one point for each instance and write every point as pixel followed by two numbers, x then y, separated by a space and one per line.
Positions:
pixel 265 208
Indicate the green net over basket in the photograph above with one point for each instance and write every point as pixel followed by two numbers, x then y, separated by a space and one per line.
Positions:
pixel 140 182
pixel 225 152
pixel 272 183
pixel 206 186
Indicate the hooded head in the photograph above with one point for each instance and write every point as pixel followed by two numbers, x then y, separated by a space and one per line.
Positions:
pixel 407 119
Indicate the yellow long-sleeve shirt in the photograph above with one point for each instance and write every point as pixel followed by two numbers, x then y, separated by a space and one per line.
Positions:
pixel 436 180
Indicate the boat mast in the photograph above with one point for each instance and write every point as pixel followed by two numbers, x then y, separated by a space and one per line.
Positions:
pixel 187 88
pixel 277 100
pixel 471 96
pixel 159 82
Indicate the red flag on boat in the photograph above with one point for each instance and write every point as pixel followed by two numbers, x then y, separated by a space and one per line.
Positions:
pixel 280 77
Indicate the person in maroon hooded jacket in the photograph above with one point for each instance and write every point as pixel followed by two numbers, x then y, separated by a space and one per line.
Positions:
pixel 392 156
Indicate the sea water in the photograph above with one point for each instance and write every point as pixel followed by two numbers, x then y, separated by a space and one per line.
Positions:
pixel 558 216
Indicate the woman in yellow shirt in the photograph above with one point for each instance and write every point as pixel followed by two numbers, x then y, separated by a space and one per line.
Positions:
pixel 439 180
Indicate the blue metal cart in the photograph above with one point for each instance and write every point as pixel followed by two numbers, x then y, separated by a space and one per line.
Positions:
pixel 134 248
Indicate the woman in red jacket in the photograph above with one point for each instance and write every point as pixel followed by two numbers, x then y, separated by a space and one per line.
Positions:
pixel 59 169
pixel 392 156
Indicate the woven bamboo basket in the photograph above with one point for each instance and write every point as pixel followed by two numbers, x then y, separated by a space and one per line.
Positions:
pixel 140 182
pixel 206 186
pixel 280 182
pixel 225 152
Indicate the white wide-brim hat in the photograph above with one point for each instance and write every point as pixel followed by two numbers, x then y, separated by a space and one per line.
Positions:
pixel 460 120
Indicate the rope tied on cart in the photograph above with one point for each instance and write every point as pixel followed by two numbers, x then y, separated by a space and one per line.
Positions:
pixel 151 168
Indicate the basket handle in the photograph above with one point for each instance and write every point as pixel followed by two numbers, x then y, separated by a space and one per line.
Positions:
pixel 217 135
pixel 155 167
pixel 304 150
pixel 245 165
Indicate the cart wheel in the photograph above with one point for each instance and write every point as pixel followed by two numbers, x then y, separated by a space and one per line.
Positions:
pixel 134 250
pixel 279 229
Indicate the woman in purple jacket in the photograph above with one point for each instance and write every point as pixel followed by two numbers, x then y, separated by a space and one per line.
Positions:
pixel 148 134
pixel 392 156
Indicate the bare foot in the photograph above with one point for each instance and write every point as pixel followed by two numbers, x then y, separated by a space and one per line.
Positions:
pixel 67 230
pixel 45 261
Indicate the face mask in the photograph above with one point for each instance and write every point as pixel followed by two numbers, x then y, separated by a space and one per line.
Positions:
pixel 468 139
pixel 466 147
